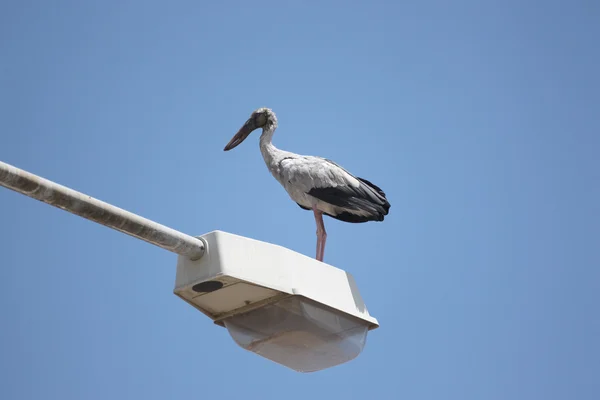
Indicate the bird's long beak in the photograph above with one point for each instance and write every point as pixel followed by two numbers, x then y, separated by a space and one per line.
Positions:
pixel 241 135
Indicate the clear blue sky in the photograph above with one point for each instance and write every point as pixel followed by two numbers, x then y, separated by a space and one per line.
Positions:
pixel 479 119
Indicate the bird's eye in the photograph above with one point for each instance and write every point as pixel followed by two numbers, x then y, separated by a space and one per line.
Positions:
pixel 260 119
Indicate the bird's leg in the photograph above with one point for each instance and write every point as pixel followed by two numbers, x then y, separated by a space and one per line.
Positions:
pixel 321 234
pixel 318 244
pixel 317 217
pixel 323 240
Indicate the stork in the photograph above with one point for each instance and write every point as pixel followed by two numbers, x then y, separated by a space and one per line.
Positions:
pixel 315 183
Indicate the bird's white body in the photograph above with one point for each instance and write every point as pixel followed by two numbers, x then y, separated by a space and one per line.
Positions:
pixel 299 174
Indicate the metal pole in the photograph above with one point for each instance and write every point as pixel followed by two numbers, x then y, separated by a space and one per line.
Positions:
pixel 98 211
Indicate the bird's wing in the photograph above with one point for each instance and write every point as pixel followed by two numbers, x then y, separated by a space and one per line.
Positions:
pixel 306 173
pixel 329 182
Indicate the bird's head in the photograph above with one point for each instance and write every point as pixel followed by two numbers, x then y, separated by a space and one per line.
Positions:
pixel 261 118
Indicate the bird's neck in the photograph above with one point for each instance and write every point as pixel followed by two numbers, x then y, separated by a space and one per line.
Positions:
pixel 269 152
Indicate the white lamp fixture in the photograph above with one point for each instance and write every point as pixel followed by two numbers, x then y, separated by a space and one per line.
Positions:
pixel 279 304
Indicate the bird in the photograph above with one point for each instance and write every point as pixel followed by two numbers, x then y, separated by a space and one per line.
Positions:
pixel 316 184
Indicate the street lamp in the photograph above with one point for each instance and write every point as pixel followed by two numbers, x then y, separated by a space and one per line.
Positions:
pixel 279 304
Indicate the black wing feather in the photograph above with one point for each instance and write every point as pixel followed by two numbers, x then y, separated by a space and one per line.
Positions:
pixel 367 197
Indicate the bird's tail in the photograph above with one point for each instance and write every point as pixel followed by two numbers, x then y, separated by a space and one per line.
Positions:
pixel 381 194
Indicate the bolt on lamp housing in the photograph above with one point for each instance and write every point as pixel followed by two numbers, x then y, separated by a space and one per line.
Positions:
pixel 279 304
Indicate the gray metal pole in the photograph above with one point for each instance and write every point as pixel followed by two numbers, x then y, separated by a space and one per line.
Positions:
pixel 98 211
